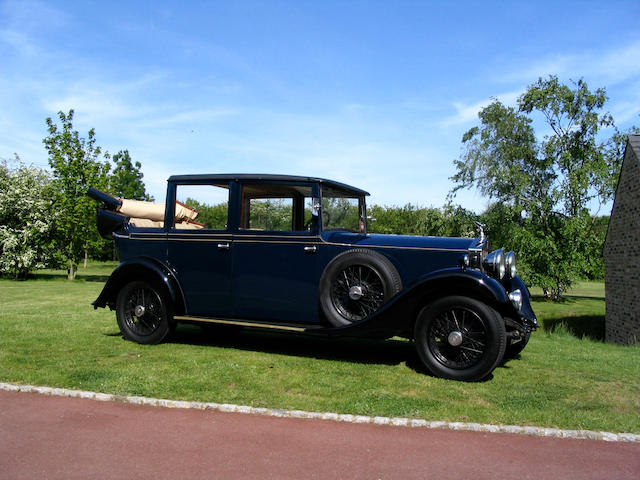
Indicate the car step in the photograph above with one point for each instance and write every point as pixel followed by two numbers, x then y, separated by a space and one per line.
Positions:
pixel 290 327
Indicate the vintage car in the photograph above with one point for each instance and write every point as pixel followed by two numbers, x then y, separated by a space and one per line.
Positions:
pixel 293 253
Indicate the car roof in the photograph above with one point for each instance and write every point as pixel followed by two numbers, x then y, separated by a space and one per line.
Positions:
pixel 226 177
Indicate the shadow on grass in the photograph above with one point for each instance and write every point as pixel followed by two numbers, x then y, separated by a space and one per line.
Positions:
pixel 584 326
pixel 354 350
pixel 63 276
pixel 391 352
pixel 568 300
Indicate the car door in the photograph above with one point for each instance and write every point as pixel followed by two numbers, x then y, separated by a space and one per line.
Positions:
pixel 276 272
pixel 200 247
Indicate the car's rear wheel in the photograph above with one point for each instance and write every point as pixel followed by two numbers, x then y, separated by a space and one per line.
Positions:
pixel 460 338
pixel 143 313
pixel 355 285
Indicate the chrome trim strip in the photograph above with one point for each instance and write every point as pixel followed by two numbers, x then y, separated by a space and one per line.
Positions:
pixel 241 235
pixel 239 323
pixel 279 239
pixel 355 245
pixel 147 238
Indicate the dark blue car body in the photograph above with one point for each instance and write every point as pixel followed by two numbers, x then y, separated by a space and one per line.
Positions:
pixel 307 277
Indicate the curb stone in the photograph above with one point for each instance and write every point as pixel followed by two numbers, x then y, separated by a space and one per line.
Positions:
pixel 335 417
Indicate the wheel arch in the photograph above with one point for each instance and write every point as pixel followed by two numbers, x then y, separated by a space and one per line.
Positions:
pixel 466 283
pixel 141 268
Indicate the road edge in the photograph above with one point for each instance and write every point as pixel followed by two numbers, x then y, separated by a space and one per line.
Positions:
pixel 336 417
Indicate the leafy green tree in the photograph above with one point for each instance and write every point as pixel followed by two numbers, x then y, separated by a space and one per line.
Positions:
pixel 126 178
pixel 458 222
pixel 544 186
pixel 77 164
pixel 406 220
pixel 27 219
pixel 212 216
pixel 450 220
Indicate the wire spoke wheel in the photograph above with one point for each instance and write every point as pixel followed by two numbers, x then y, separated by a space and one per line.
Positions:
pixel 357 292
pixel 355 284
pixel 142 313
pixel 458 338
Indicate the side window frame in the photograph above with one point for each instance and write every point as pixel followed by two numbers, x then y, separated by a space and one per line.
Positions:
pixel 362 211
pixel 169 216
pixel 297 206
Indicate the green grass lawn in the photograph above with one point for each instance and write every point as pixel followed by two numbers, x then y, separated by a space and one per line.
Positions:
pixel 567 377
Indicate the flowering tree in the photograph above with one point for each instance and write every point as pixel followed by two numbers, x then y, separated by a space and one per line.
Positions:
pixel 27 219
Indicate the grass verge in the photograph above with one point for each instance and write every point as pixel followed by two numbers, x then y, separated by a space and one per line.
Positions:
pixel 566 378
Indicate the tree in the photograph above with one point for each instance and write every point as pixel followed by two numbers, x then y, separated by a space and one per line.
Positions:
pixel 26 219
pixel 126 178
pixel 544 187
pixel 76 164
pixel 448 221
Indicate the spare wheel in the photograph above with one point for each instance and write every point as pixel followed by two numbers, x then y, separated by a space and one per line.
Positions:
pixel 356 284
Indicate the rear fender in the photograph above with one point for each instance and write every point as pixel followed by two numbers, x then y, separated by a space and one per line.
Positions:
pixel 141 268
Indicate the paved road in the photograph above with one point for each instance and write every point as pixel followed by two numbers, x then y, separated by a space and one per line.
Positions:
pixel 58 437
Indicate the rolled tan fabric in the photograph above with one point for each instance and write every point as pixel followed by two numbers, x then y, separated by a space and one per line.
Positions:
pixel 145 223
pixel 189 225
pixel 185 211
pixel 154 211
pixel 142 210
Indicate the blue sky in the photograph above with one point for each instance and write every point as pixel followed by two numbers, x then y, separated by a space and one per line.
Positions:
pixel 376 94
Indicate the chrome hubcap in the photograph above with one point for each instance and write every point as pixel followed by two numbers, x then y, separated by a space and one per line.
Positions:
pixel 138 311
pixel 455 338
pixel 355 292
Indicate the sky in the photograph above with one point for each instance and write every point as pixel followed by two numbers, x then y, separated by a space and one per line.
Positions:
pixel 376 94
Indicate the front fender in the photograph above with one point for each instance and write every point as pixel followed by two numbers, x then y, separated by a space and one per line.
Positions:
pixel 398 315
pixel 140 268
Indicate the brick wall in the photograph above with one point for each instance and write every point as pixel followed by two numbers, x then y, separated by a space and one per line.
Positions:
pixel 622 253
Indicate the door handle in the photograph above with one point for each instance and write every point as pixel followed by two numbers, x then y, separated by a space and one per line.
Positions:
pixel 223 246
pixel 311 249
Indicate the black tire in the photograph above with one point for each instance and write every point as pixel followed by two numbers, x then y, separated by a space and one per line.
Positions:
pixel 514 348
pixel 143 313
pixel 460 338
pixel 356 284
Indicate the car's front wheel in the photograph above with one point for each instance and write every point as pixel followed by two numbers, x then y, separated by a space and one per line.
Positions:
pixel 143 313
pixel 460 338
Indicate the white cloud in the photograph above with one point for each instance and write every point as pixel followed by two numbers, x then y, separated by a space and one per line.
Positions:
pixel 609 67
pixel 469 113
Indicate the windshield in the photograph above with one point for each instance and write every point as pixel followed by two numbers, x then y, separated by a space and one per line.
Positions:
pixel 343 211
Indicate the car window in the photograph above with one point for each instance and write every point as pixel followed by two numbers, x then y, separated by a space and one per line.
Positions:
pixel 342 211
pixel 276 208
pixel 201 207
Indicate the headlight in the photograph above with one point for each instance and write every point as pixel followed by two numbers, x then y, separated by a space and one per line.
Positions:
pixel 510 260
pixel 516 299
pixel 495 264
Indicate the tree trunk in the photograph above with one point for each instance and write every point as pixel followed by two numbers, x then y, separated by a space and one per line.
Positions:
pixel 71 271
pixel 85 258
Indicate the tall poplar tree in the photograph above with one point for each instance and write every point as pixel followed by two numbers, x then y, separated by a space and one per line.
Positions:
pixel 76 163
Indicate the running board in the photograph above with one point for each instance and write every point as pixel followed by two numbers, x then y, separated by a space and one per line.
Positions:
pixel 246 323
